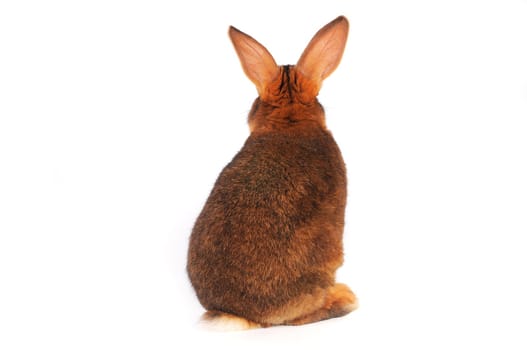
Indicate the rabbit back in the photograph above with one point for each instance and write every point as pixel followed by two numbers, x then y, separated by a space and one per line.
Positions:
pixel 271 229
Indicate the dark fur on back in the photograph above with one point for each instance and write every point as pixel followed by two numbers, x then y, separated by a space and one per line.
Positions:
pixel 272 226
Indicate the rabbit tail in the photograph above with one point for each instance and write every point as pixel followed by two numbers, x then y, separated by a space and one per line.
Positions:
pixel 221 321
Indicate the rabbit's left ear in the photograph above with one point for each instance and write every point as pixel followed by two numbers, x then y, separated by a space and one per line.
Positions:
pixel 257 63
pixel 323 53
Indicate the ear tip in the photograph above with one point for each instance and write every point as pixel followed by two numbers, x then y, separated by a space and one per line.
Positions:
pixel 341 20
pixel 233 31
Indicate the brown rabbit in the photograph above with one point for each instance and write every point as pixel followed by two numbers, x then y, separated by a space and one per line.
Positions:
pixel 265 248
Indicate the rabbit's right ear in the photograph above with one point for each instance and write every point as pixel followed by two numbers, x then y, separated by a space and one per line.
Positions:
pixel 323 53
pixel 257 63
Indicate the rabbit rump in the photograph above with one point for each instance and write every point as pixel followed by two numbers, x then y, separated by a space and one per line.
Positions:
pixel 265 248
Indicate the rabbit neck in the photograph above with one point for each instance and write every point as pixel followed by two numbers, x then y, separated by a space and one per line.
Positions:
pixel 293 116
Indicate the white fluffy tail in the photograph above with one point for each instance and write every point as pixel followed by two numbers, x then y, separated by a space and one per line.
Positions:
pixel 223 322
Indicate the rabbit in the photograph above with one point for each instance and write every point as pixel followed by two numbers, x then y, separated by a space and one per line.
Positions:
pixel 266 245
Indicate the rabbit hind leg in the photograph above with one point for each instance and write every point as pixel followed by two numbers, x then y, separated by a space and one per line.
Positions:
pixel 339 301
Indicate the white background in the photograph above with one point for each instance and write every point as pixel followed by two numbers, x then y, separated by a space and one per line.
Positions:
pixel 117 116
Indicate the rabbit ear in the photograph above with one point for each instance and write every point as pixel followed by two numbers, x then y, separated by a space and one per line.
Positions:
pixel 257 62
pixel 323 53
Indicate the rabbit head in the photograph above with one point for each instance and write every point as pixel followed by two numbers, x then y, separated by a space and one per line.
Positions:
pixel 287 94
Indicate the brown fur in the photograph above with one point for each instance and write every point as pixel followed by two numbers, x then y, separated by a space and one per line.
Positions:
pixel 268 241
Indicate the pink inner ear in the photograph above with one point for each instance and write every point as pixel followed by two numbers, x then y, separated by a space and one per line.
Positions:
pixel 257 63
pixel 323 53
